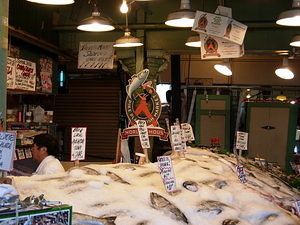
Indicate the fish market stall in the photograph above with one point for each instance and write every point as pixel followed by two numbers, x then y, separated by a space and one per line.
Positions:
pixel 208 192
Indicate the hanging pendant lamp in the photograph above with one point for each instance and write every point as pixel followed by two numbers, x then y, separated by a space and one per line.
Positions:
pixel 284 71
pixel 295 41
pixel 224 68
pixel 52 2
pixel 290 17
pixel 184 17
pixel 193 41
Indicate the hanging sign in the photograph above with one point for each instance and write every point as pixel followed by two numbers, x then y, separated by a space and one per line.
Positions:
pixel 213 47
pixel 7 149
pixel 220 26
pixel 167 173
pixel 95 55
pixel 46 75
pixel 143 133
pixel 188 131
pixel 78 143
pixel 241 140
pixel 25 75
pixel 176 138
pixel 10 72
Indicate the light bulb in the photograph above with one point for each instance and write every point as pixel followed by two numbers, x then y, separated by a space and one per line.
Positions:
pixel 124 7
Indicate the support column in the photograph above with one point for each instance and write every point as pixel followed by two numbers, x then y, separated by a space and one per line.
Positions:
pixel 3 59
pixel 175 79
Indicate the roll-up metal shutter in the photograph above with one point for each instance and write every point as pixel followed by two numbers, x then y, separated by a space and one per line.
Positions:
pixel 91 103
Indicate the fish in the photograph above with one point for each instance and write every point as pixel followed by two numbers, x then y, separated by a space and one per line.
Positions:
pixel 211 207
pixel 230 222
pixel 116 178
pixel 190 185
pixel 84 219
pixel 161 203
pixel 86 170
pixel 148 173
pixel 136 81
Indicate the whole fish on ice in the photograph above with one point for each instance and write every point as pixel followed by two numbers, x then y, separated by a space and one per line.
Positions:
pixel 136 81
pixel 83 219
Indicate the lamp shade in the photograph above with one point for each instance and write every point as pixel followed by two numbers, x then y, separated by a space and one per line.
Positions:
pixel 193 41
pixel 224 68
pixel 295 41
pixel 95 23
pixel 284 71
pixel 128 41
pixel 290 17
pixel 184 17
pixel 53 2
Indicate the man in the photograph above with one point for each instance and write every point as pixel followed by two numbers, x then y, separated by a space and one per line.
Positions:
pixel 44 148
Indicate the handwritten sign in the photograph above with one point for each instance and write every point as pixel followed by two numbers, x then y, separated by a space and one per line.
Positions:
pixel 188 131
pixel 78 143
pixel 167 173
pixel 183 141
pixel 220 26
pixel 25 75
pixel 143 133
pixel 241 140
pixel 95 55
pixel 7 148
pixel 241 174
pixel 10 72
pixel 176 138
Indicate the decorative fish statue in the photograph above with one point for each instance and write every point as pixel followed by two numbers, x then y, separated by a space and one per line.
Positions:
pixel 136 81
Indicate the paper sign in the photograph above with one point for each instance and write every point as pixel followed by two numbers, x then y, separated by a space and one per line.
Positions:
pixel 7 148
pixel 21 154
pixel 143 133
pixel 167 173
pixel 176 138
pixel 78 143
pixel 95 55
pixel 10 72
pixel 183 141
pixel 188 131
pixel 213 47
pixel 46 75
pixel 28 153
pixel 241 140
pixel 220 26
pixel 241 174
pixel 25 75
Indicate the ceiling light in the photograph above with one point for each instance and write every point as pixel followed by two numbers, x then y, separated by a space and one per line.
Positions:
pixel 290 17
pixel 224 68
pixel 284 72
pixel 95 23
pixel 124 7
pixel 184 17
pixel 128 41
pixel 295 41
pixel 281 97
pixel 53 2
pixel 193 41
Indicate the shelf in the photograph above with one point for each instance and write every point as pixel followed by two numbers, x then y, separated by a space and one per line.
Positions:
pixel 31 123
pixel 21 92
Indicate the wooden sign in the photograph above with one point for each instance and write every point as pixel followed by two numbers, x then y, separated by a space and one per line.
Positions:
pixel 95 55
pixel 10 72
pixel 25 75
pixel 167 173
pixel 241 140
pixel 7 148
pixel 78 143
pixel 176 138
pixel 143 133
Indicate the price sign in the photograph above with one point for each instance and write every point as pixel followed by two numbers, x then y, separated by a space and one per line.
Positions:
pixel 176 138
pixel 7 148
pixel 241 174
pixel 78 143
pixel 143 133
pixel 241 140
pixel 167 173
pixel 188 131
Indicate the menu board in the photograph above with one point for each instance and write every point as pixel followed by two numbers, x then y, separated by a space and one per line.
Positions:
pixel 7 149
pixel 95 55
pixel 25 78
pixel 10 72
pixel 220 26
pixel 78 143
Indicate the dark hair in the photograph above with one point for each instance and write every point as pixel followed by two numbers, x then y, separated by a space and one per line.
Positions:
pixel 48 141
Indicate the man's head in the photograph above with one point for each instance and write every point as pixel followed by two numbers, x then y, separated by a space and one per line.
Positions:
pixel 44 145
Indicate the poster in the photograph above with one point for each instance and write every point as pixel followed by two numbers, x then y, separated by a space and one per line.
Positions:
pixel 25 75
pixel 95 55
pixel 167 173
pixel 10 72
pixel 7 149
pixel 78 142
pixel 220 26
pixel 46 75
pixel 213 47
